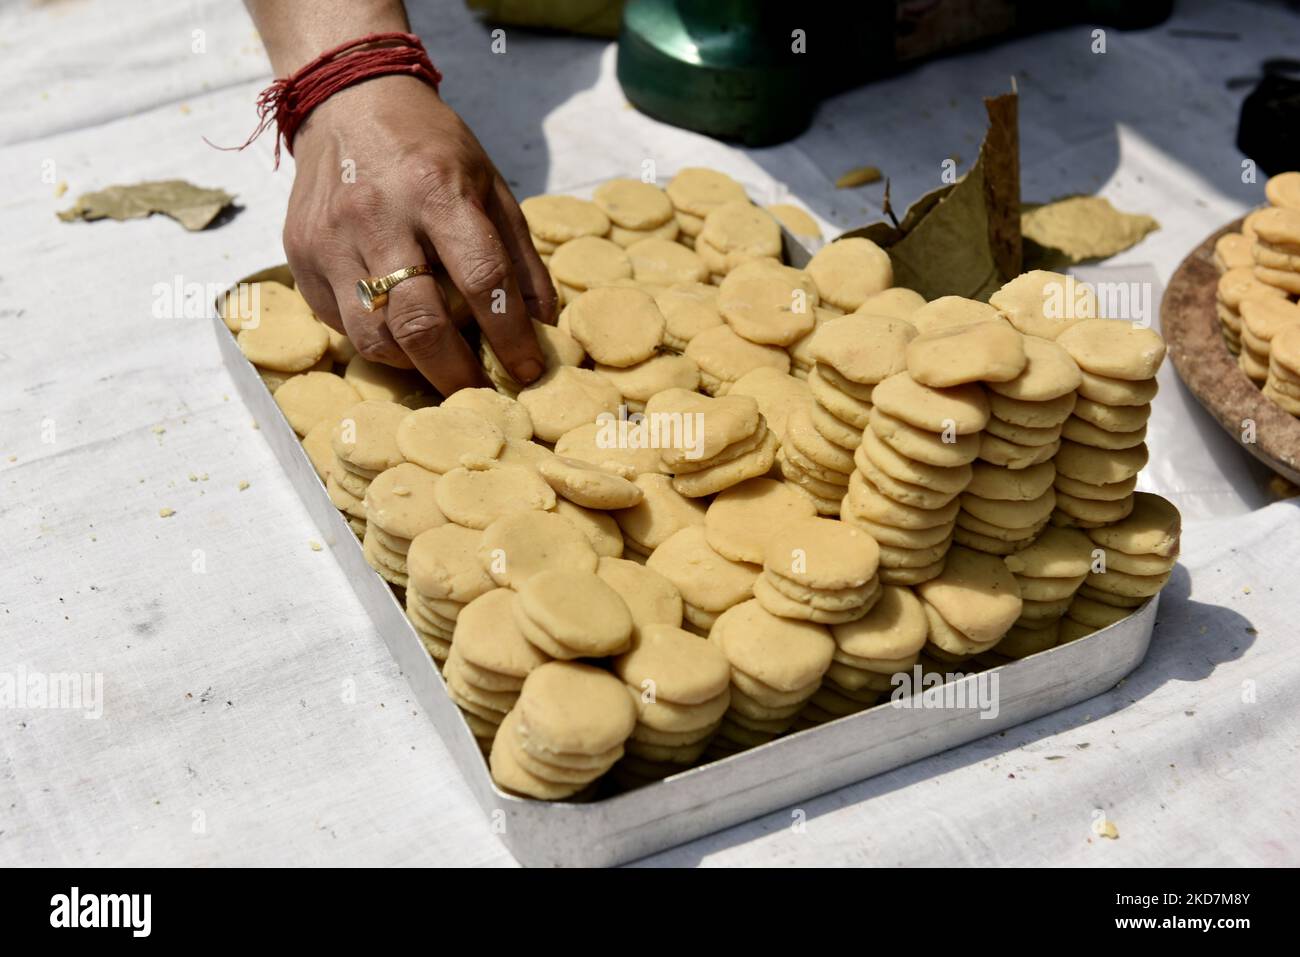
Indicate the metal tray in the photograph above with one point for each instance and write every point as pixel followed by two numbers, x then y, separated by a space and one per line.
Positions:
pixel 716 795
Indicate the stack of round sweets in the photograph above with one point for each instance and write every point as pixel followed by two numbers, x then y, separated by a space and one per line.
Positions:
pixel 777 395
pixel 399 504
pixel 1261 320
pixel 818 569
pixel 714 443
pixel 374 380
pixel 489 660
pixel 1283 190
pixel 768 303
pixel 1105 437
pixel 637 211
pixel 586 263
pixel 573 614
pixel 1233 251
pixel 565 398
pixel 682 687
pixel 911 470
pixel 1044 304
pixel 740 521
pixel 1048 573
pixel 868 652
pixel 848 272
pixel 1277 248
pixel 1235 286
pixel 1003 510
pixel 662 512
pixel 695 192
pixel 444 575
pixel 688 309
pixel 638 383
pixel 897 302
pixel 800 351
pixel 709 583
pixel 558 349
pixel 650 598
pixel 566 730
pixel 850 355
pixel 1139 555
pixel 724 358
pixel 517 547
pixel 555 220
pixel 969 606
pixel 364 442
pixel 736 233
pixel 441 439
pixel 314 397
pixel 777 664
pixel 1283 383
pixel 282 337
pixel 479 494
pixel 617 326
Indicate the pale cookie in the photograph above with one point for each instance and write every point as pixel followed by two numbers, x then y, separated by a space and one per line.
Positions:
pixel 283 335
pixel 640 382
pixel 1057 553
pixel 969 522
pixel 345 501
pixel 1140 564
pixel 709 425
pixel 783 606
pixel 1045 304
pixel 741 229
pixel 723 357
pixel 1284 190
pixel 633 204
pixel 1285 353
pixel 959 410
pixel 443 563
pixel 1278 226
pixel 599 527
pixel 558 349
pixel 697 190
pixel 854 411
pixel 1011 485
pixel 1113 348
pixel 907 493
pixel 707 581
pixel 511 776
pixel 1046 589
pixel 587 485
pixel 558 219
pixel 834 430
pixel 893 537
pixel 665 232
pixel 1283 279
pixel 651 599
pixel 566 398
pixel 796 219
pixel 982 351
pixel 1079 430
pixel 975 593
pixel 248 302
pixel 1047 414
pixel 602 444
pixel 661 513
pixel 949 312
pixel 665 262
pixel 776 393
pixel 488 638
pixel 515 548
pixel 366 435
pixel 896 303
pixel 782 653
pixel 501 410
pixel 771 267
pixel 1233 251
pixel 848 271
pixel 1237 285
pixel 1049 373
pixel 741 519
pixel 864 349
pixel 577 611
pixel 588 261
pixel 766 307
pixel 821 553
pixel 402 501
pixel 803 437
pixel 1112 418
pixel 724 475
pixel 1010 514
pixel 313 397
pixel 1115 582
pixel 1110 492
pixel 1275 256
pixel 1098 466
pixel 832 377
pixel 894 628
pixel 688 227
pixel 668 717
pixel 573 709
pixel 1021 434
pixel 616 326
pixel 866 501
pixel 1013 455
pixel 477 497
pixel 1152 528
pixel 1021 642
pixel 441 439
pixel 947 450
pixel 688 309
pixel 318 444
pixel 858 597
pixel 677 665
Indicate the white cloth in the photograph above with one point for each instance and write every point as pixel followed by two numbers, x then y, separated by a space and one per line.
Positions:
pixel 251 713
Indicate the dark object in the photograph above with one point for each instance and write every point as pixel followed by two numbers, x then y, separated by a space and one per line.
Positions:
pixel 754 72
pixel 1269 129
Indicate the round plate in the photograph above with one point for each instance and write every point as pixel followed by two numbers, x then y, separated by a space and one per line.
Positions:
pixel 1191 330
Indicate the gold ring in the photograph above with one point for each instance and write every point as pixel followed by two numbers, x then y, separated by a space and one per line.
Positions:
pixel 373 292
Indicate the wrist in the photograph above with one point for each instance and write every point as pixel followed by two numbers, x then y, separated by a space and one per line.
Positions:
pixel 367 104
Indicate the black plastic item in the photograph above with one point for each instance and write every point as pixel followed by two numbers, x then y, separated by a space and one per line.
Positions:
pixel 1269 129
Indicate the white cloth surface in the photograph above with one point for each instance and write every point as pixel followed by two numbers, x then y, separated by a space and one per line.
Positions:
pixel 251 713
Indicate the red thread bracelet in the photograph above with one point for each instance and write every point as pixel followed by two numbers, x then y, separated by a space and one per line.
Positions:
pixel 290 100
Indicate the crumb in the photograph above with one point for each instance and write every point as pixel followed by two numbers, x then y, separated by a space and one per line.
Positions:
pixel 60 189
pixel 203 476
pixel 402 491
pixel 315 545
pixel 858 176
pixel 166 512
pixel 157 430
pixel 1106 829
pixel 242 485
pixel 193 477
pixel 1245 589
pixel 185 108
pixel 255 425
pixel 13 458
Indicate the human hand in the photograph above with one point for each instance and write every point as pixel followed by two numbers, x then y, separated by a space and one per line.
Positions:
pixel 423 191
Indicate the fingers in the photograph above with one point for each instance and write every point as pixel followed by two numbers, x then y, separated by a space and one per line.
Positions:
pixel 469 246
pixel 417 318
pixel 367 330
pixel 534 280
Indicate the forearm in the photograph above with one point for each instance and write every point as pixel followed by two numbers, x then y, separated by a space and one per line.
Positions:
pixel 297 31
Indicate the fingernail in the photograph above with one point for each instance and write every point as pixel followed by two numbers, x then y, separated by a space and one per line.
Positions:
pixel 529 369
